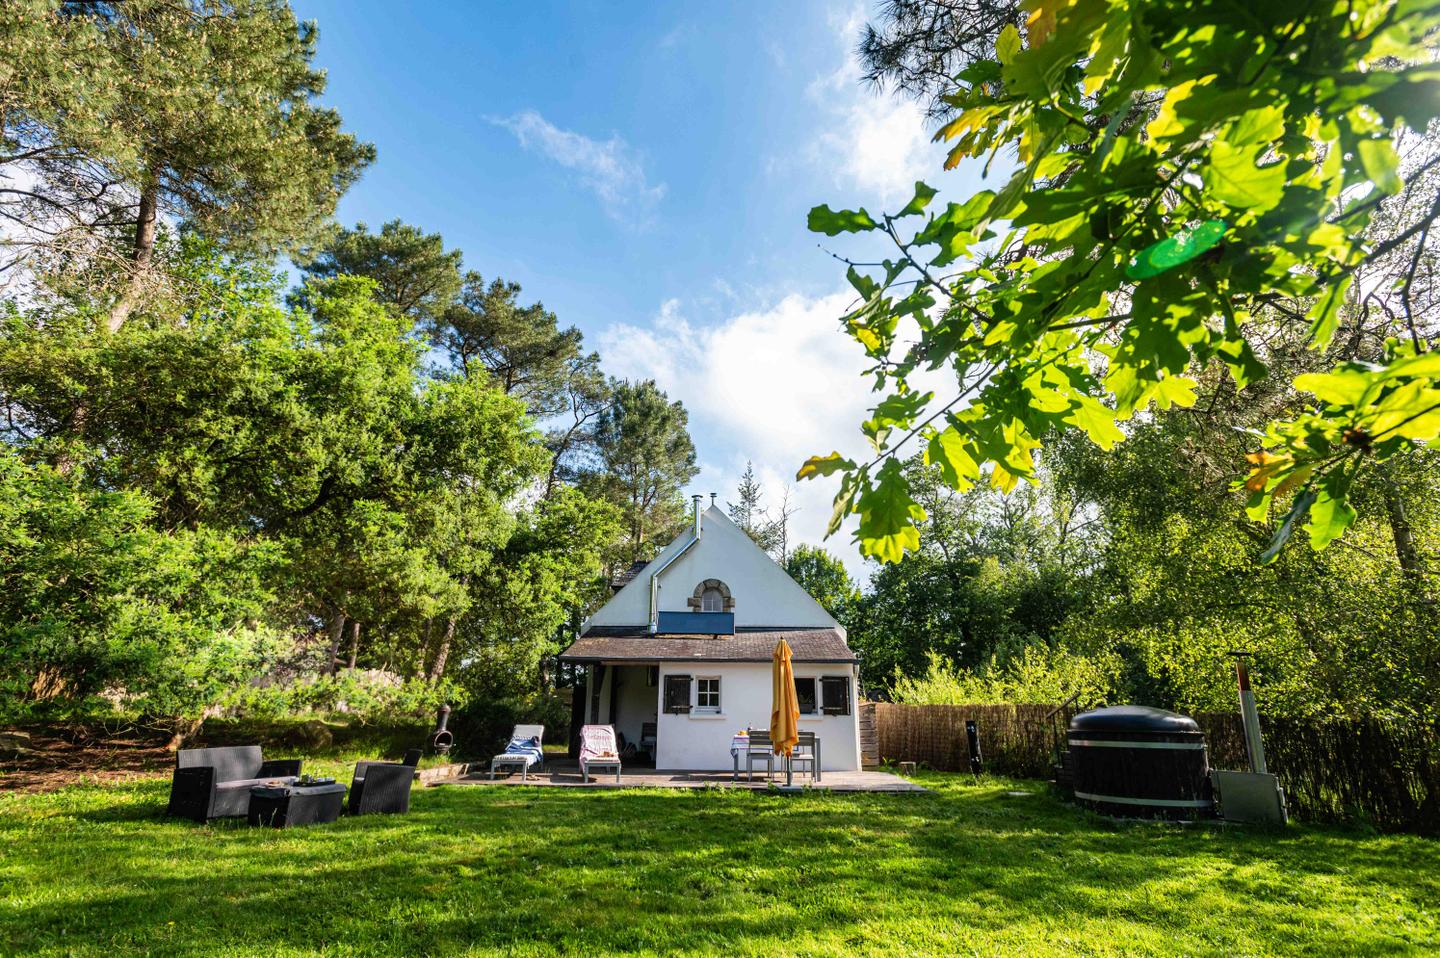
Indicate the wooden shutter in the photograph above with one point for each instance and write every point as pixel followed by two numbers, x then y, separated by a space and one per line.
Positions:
pixel 677 694
pixel 835 692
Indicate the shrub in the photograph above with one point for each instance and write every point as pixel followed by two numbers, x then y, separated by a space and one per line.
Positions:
pixel 362 697
pixel 1038 674
pixel 483 728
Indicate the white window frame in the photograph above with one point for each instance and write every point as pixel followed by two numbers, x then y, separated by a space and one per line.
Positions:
pixel 700 681
pixel 712 600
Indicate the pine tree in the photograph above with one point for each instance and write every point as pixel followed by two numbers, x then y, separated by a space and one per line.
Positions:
pixel 117 115
pixel 647 457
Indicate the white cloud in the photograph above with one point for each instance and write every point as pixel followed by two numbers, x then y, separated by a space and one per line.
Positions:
pixel 873 142
pixel 773 386
pixel 676 35
pixel 611 169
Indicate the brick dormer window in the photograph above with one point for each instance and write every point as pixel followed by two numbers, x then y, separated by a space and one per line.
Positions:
pixel 712 595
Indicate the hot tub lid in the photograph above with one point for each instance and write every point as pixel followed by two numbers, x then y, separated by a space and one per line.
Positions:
pixel 1132 718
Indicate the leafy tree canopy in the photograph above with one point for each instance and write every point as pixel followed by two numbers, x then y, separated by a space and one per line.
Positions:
pixel 1186 174
pixel 825 578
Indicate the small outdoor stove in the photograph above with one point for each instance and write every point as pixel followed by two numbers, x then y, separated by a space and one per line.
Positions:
pixel 442 739
pixel 1253 796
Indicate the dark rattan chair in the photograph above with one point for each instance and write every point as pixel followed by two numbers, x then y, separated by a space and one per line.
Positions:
pixel 383 787
pixel 215 782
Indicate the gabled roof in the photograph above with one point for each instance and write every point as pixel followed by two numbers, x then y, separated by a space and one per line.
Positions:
pixel 764 594
pixel 636 644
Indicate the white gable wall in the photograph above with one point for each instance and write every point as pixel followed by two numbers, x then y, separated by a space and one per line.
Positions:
pixel 702 742
pixel 764 593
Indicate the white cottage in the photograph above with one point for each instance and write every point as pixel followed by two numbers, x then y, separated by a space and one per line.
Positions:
pixel 679 659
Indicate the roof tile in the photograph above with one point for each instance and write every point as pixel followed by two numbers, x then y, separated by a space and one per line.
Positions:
pixel 636 644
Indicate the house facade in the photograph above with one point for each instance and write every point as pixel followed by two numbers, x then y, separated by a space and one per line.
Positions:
pixel 679 659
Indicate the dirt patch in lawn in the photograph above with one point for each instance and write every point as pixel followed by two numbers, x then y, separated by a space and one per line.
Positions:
pixel 56 758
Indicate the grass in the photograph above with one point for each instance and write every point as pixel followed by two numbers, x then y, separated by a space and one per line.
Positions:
pixel 532 871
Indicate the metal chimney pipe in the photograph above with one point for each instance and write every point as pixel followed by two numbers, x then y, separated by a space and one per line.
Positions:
pixel 696 500
pixel 712 500
pixel 1249 716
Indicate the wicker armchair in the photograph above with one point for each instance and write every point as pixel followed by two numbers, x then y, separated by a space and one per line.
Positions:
pixel 383 787
pixel 215 782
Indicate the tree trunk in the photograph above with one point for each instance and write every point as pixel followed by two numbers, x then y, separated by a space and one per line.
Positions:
pixel 337 628
pixel 437 669
pixel 1411 564
pixel 354 643
pixel 424 655
pixel 141 258
pixel 186 729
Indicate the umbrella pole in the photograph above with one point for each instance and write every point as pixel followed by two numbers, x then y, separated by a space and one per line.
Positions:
pixel 789 772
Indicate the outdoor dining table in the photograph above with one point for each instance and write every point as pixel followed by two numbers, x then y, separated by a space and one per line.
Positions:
pixel 740 747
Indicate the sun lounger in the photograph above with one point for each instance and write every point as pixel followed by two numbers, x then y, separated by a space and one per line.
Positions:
pixel 524 751
pixel 598 750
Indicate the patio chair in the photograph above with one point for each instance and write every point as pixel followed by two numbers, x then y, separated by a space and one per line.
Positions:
pixel 598 750
pixel 648 740
pixel 807 752
pixel 759 748
pixel 383 787
pixel 526 748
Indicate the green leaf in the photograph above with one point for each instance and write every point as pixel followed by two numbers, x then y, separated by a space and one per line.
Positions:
pixel 1175 250
pixel 1381 164
pixel 1257 127
pixel 923 195
pixel 824 466
pixel 1299 509
pixel 844 501
pixel 1345 387
pixel 888 516
pixel 1244 365
pixel 1233 178
pixel 1325 316
pixel 1007 44
pixel 1329 518
pixel 832 222
pixel 1098 421
pixel 1175 391
pixel 950 451
pixel 1426 364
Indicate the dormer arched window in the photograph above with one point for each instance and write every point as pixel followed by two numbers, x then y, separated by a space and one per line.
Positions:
pixel 712 595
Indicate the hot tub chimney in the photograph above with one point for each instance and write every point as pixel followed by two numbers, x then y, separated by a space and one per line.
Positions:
pixel 1249 717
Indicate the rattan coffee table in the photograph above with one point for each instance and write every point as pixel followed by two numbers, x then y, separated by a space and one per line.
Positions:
pixel 285 806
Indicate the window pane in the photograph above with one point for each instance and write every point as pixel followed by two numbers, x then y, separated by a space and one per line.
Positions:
pixel 712 601
pixel 707 694
pixel 805 695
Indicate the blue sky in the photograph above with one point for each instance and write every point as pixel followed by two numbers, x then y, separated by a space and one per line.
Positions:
pixel 645 171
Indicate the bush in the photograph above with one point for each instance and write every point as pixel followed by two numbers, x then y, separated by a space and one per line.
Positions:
pixel 314 737
pixel 1039 674
pixel 362 697
pixel 483 728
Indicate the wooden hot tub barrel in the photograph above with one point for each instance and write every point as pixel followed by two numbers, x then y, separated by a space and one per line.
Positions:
pixel 1135 761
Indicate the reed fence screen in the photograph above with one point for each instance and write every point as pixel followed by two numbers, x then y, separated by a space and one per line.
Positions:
pixel 1332 770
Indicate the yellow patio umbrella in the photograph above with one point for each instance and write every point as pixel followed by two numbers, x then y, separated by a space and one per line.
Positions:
pixel 785 707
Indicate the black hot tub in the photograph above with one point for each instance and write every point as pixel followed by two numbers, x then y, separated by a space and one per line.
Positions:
pixel 1140 762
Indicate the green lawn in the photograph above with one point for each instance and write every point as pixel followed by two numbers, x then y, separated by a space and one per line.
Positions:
pixel 532 871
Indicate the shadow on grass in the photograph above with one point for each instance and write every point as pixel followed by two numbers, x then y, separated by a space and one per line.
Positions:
pixel 559 870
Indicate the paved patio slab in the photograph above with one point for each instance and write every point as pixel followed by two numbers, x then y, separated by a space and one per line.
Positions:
pixel 566 774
